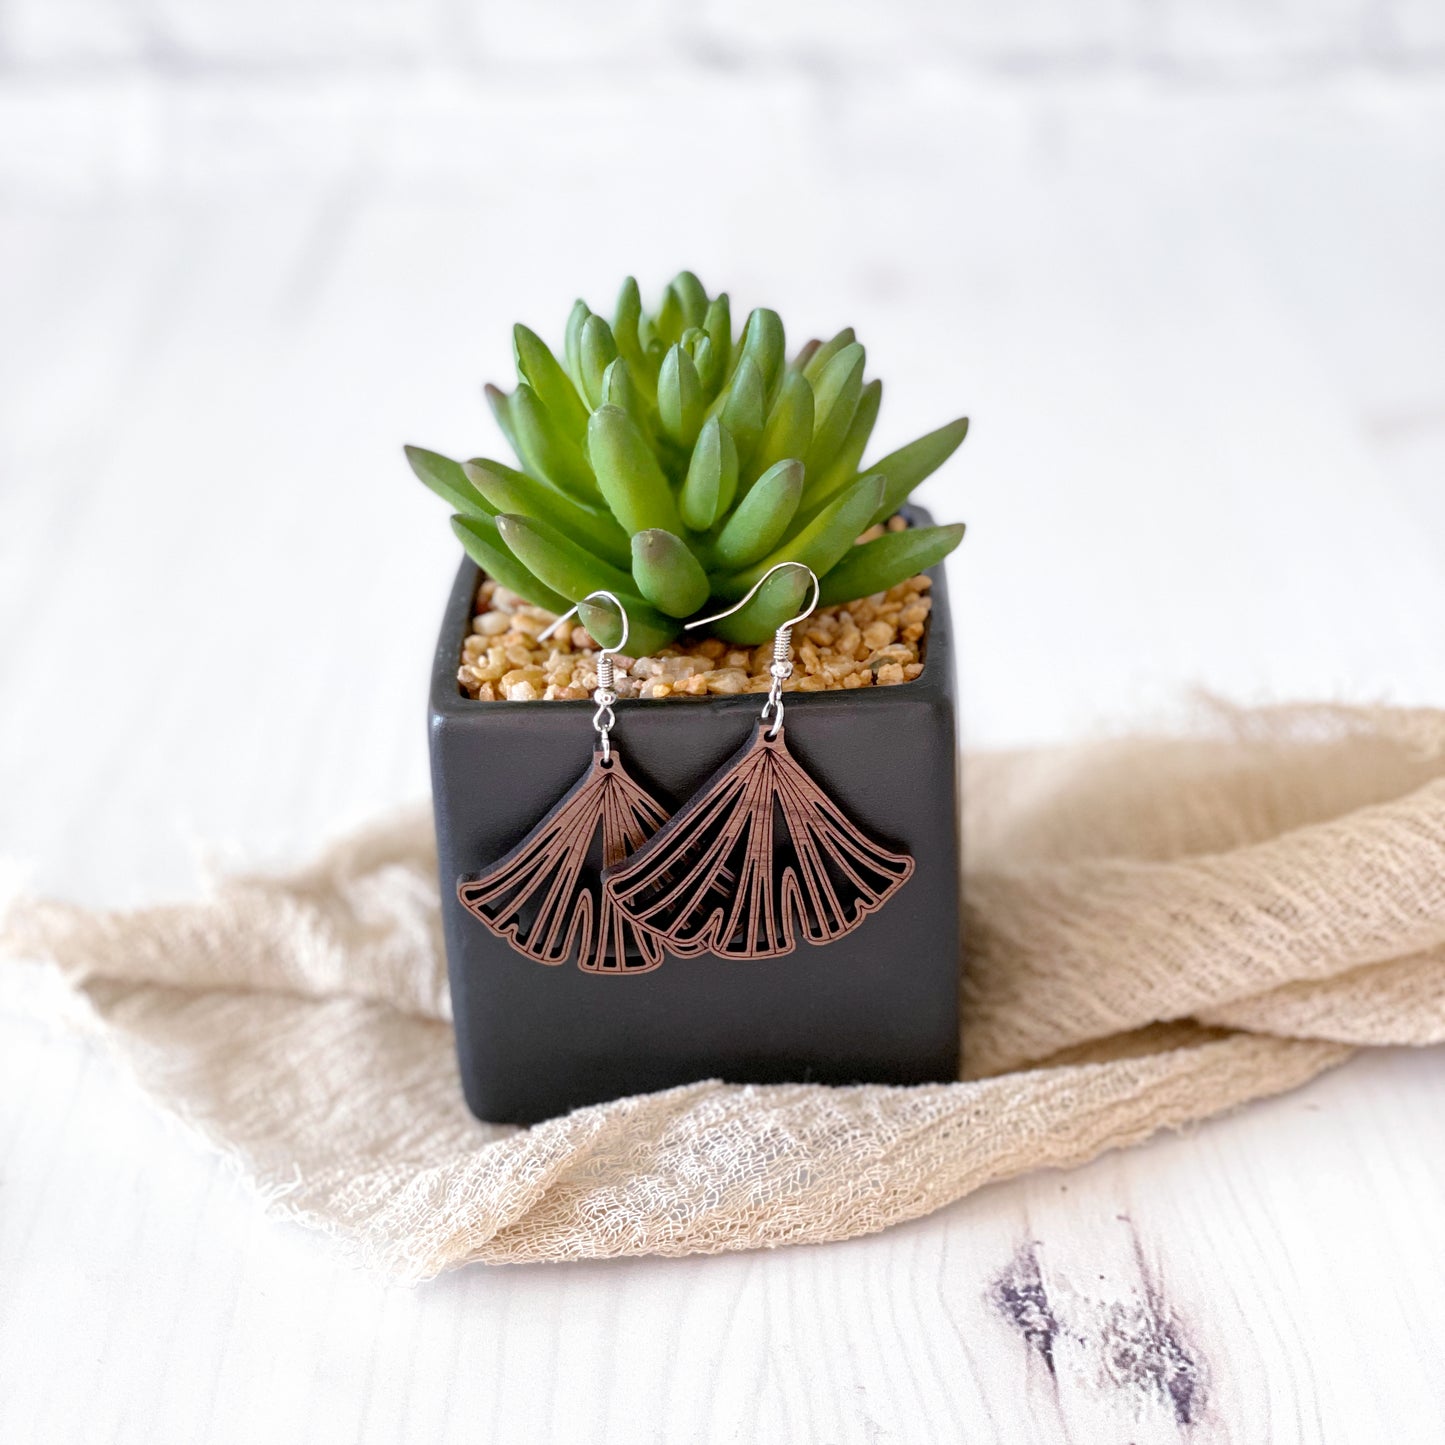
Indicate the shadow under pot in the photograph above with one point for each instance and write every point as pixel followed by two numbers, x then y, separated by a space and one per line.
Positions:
pixel 830 955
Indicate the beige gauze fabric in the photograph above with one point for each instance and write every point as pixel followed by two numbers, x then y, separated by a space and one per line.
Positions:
pixel 1158 929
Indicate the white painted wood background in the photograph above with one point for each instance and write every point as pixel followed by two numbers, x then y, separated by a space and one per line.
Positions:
pixel 1185 275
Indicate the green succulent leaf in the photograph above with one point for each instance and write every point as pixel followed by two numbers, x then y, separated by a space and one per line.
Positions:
pixel 838 389
pixel 820 543
pixel 507 490
pixel 544 449
pixel 483 544
pixel 501 407
pixel 823 353
pixel 628 474
pixel 561 563
pixel 679 397
pixel 712 477
pixel 648 630
pixel 886 561
pixel 782 596
pixel 718 323
pixel 448 479
pixel 543 373
pixel 625 318
pixel 669 323
pixel 597 351
pixel 806 352
pixel 764 341
pixel 619 390
pixel 824 482
pixel 789 429
pixel 667 573
pixel 909 465
pixel 572 342
pixel 744 411
pixel 708 363
pixel 691 297
pixel 762 517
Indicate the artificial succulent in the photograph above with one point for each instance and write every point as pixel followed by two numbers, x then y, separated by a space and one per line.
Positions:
pixel 672 464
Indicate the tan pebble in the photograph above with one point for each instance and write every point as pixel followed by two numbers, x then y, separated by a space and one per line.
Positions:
pixel 864 611
pixel 898 653
pixel 520 674
pixel 489 624
pixel 857 679
pixel 897 524
pixel 486 692
pixel 696 686
pixel 874 532
pixel 726 680
pixel 518 654
pixel 848 641
pixel 918 612
pixel 528 626
pixel 809 684
pixel 656 688
pixel 523 691
pixel 506 601
pixel 761 684
pixel 912 670
pixel 877 634
pixel 922 582
pixel 912 632
pixel 889 675
pixel 712 648
pixel 808 657
pixel 646 667
pixel 737 659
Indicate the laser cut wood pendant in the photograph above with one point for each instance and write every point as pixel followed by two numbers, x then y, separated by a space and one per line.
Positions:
pixel 758 856
pixel 545 897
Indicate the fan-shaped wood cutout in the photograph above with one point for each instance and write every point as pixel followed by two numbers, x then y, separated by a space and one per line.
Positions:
pixel 760 854
pixel 545 897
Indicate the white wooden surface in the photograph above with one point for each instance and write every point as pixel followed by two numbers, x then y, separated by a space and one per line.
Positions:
pixel 1198 331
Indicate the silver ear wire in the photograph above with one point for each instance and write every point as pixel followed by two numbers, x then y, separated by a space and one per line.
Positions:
pixel 605 694
pixel 781 668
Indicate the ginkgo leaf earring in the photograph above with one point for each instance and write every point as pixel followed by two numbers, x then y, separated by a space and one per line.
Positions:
pixel 761 854
pixel 545 896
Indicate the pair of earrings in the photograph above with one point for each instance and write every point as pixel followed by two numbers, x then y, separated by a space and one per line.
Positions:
pixel 758 856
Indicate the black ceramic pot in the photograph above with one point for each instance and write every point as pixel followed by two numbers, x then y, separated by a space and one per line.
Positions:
pixel 879 1005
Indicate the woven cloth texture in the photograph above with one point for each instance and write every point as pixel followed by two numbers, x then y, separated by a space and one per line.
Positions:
pixel 1159 929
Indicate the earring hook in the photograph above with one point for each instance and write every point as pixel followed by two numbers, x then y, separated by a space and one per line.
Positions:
pixel 781 667
pixel 753 592
pixel 573 610
pixel 605 693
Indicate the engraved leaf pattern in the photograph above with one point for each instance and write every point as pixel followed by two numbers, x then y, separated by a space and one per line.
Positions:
pixel 760 855
pixel 545 897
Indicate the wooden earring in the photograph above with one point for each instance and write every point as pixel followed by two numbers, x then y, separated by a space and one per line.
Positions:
pixel 760 854
pixel 545 897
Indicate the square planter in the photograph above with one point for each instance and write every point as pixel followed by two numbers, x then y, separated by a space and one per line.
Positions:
pixel 879 1005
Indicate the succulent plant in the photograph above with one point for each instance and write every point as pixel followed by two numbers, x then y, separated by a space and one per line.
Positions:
pixel 668 462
